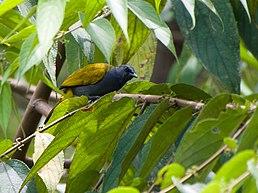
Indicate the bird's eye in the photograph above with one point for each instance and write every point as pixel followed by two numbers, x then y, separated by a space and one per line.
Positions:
pixel 128 69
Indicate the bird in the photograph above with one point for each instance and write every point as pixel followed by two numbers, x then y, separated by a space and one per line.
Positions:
pixel 96 80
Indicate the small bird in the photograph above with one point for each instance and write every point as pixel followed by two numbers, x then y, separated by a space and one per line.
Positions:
pixel 96 80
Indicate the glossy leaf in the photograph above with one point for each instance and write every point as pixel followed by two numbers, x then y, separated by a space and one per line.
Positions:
pixel 147 14
pixel 214 44
pixel 120 11
pixel 5 106
pixel 103 35
pixel 130 143
pixel 12 175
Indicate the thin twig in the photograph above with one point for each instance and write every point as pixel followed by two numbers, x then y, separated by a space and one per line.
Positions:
pixel 208 161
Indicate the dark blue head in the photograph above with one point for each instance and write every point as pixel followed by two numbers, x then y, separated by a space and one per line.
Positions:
pixel 126 73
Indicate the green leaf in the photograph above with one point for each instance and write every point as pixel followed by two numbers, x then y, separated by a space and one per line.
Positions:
pixel 12 175
pixel 64 107
pixel 84 40
pixel 207 135
pixel 250 136
pixel 8 5
pixel 138 87
pixel 5 144
pixel 83 180
pixel 91 10
pixel 120 11
pixel 147 14
pixel 124 189
pixel 51 173
pixel 167 172
pixel 167 133
pixel 230 171
pixel 144 58
pixel 67 133
pixel 5 106
pixel 244 3
pixel 137 32
pixel 50 63
pixel 216 47
pixel 23 34
pixel 185 91
pixel 252 168
pixel 210 5
pixel 189 5
pixel 248 31
pixel 74 54
pixel 103 35
pixel 130 143
pixel 50 14
pixel 92 151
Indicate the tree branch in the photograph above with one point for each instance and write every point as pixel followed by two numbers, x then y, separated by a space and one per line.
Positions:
pixel 31 117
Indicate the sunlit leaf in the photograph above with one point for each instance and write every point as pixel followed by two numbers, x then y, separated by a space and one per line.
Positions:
pixel 120 11
pixel 103 35
pixel 52 172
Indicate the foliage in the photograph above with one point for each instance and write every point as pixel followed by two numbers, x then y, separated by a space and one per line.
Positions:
pixel 156 137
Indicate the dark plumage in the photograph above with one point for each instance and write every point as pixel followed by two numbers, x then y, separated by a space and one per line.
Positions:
pixel 107 79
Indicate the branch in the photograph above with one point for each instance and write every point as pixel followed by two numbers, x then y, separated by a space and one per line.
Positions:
pixel 207 162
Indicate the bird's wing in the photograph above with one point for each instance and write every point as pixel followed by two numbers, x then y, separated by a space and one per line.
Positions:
pixel 89 74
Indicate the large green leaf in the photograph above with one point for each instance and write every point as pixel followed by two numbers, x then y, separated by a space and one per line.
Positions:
pixel 207 135
pixel 74 55
pixel 167 133
pixel 84 40
pixel 67 133
pixel 147 14
pixel 120 11
pixel 50 14
pixel 215 44
pixel 91 10
pixel 137 33
pixel 130 144
pixel 97 142
pixel 103 35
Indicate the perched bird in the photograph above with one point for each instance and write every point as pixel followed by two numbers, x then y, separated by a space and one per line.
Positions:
pixel 95 80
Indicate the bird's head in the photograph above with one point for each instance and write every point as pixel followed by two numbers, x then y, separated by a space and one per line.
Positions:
pixel 126 72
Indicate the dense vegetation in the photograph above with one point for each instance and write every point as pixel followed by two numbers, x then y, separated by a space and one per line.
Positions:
pixel 195 133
